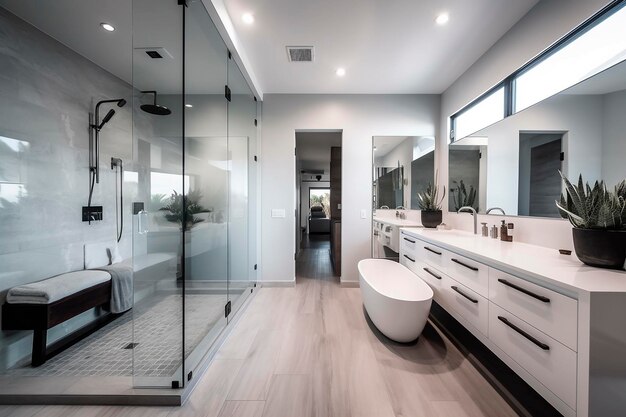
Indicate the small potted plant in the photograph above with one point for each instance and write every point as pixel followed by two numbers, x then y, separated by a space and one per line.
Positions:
pixel 430 205
pixel 599 219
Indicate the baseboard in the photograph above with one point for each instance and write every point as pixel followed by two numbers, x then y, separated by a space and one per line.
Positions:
pixel 349 284
pixel 270 284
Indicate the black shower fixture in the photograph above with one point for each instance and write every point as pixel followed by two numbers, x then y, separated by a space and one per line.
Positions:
pixel 155 108
pixel 95 125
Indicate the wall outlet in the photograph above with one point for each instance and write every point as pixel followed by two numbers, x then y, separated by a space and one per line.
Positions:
pixel 363 214
pixel 93 213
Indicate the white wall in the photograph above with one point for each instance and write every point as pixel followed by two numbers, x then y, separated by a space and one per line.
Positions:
pixel 548 21
pixel 359 117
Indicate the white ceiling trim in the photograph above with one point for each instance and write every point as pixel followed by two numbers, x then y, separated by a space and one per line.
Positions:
pixel 224 24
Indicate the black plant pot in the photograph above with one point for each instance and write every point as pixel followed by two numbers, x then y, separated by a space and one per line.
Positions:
pixel 431 219
pixel 601 248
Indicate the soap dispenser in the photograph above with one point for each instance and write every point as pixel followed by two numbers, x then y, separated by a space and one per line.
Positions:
pixel 504 235
pixel 510 231
pixel 485 230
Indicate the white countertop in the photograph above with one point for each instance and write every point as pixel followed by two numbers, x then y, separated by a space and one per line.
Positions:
pixel 397 222
pixel 534 262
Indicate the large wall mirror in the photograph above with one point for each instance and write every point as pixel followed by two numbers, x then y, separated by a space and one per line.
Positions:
pixel 514 164
pixel 403 166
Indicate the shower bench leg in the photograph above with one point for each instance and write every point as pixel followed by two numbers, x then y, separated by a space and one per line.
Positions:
pixel 40 338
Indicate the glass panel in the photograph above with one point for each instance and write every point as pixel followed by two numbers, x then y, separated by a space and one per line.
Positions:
pixel 206 174
pixel 241 130
pixel 482 114
pixel 593 51
pixel 158 159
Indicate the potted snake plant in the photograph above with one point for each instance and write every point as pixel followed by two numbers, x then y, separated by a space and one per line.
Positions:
pixel 599 219
pixel 430 205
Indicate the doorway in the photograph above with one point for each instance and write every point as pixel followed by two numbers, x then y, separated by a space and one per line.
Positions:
pixel 318 205
pixel 541 157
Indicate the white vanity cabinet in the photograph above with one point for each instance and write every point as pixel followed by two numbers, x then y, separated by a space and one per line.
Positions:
pixel 543 314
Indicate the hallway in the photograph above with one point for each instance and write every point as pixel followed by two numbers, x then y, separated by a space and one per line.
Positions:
pixel 314 259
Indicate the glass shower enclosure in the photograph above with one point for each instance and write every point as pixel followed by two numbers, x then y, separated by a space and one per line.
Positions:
pixel 194 215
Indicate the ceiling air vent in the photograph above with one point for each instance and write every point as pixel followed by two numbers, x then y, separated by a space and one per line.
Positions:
pixel 156 52
pixel 300 53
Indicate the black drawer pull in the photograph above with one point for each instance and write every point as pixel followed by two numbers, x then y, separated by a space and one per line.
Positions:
pixel 523 333
pixel 432 273
pixel 473 268
pixel 409 240
pixel 432 250
pixel 524 290
pixel 473 300
pixel 412 260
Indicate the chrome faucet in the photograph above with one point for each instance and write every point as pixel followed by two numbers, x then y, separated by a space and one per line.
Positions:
pixel 400 208
pixel 473 211
pixel 495 208
pixel 384 207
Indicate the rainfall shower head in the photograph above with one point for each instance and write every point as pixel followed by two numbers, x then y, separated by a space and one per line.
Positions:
pixel 155 108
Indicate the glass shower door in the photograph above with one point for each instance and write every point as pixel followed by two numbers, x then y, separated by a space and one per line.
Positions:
pixel 157 346
pixel 242 127
pixel 207 172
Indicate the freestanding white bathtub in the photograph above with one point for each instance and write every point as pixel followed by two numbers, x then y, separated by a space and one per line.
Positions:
pixel 397 300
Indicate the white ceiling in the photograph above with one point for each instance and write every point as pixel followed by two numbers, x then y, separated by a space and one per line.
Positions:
pixel 385 46
pixel 313 149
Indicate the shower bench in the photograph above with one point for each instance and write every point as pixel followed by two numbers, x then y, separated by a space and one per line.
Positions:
pixel 41 317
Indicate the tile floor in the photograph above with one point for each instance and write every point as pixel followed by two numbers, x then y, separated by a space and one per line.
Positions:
pixel 157 330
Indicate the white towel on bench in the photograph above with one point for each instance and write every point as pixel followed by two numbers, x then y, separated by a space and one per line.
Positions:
pixel 53 289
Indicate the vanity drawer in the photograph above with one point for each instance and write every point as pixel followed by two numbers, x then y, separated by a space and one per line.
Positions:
pixel 433 277
pixel 408 243
pixel 550 362
pixel 407 259
pixel 552 313
pixel 430 254
pixel 468 304
pixel 470 273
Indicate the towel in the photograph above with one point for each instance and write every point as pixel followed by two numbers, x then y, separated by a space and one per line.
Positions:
pixel 53 289
pixel 121 286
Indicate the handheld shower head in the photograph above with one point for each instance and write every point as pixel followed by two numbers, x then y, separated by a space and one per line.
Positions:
pixel 106 118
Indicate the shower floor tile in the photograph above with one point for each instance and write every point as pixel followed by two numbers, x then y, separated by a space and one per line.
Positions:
pixel 158 332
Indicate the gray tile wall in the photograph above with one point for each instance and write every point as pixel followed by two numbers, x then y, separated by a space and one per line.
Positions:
pixel 46 93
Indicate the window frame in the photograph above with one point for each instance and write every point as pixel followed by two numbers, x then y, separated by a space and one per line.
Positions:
pixel 509 82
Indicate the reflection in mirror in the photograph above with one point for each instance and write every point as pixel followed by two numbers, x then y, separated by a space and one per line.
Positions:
pixel 403 166
pixel 514 164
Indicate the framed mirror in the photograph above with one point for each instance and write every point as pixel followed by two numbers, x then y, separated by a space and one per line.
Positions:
pixel 403 166
pixel 514 164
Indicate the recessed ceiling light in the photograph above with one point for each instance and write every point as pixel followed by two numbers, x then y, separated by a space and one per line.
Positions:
pixel 107 26
pixel 340 72
pixel 189 106
pixel 247 18
pixel 442 19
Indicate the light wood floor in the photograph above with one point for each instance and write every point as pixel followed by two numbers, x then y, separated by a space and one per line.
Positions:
pixel 309 351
